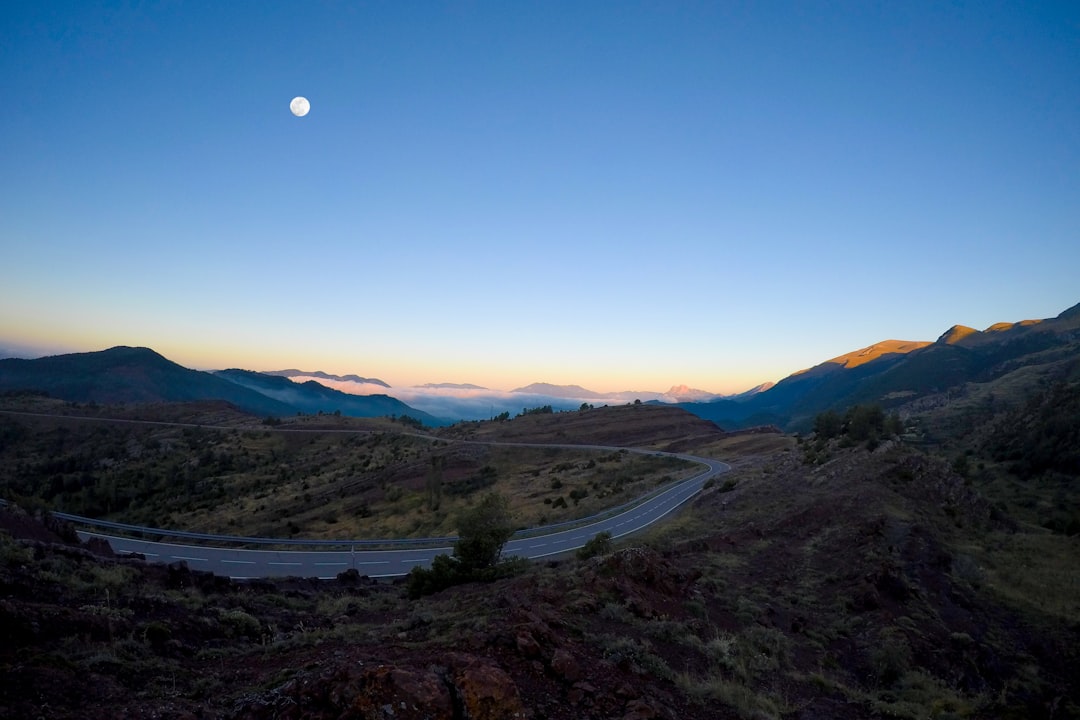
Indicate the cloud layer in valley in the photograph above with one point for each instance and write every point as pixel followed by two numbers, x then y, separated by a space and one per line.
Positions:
pixel 471 402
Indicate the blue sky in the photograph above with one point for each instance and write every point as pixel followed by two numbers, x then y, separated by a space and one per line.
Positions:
pixel 617 195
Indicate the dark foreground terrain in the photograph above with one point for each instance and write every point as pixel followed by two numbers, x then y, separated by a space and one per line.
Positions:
pixel 868 584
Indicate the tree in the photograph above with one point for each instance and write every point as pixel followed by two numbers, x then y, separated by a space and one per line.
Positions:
pixel 827 425
pixel 483 531
pixel 864 422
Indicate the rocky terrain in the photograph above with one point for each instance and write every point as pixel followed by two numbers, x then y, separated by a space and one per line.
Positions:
pixel 870 584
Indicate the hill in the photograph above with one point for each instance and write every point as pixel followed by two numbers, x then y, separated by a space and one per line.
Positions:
pixel 663 427
pixel 879 584
pixel 575 392
pixel 312 397
pixel 200 467
pixel 127 375
pixel 131 375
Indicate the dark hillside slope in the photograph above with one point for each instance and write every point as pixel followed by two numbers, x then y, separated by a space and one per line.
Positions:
pixel 127 375
pixel 976 357
pixel 645 425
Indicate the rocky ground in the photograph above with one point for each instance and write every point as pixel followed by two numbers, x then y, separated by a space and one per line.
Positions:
pixel 867 586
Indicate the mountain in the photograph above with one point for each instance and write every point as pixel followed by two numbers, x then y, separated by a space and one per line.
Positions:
pixel 127 375
pixel 311 397
pixel 558 391
pixel 752 391
pixel 327 376
pixel 894 373
pixel 683 393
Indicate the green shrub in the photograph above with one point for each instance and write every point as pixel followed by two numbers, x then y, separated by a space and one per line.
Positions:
pixel 240 624
pixel 600 544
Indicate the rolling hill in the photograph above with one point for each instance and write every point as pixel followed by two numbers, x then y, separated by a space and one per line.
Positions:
pixel 122 375
pixel 131 375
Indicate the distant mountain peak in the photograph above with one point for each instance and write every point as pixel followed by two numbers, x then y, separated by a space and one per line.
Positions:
pixel 955 334
pixel 685 393
pixel 757 389
pixel 561 391
pixel 292 373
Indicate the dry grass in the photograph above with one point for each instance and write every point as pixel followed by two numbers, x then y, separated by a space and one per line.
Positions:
pixel 1030 570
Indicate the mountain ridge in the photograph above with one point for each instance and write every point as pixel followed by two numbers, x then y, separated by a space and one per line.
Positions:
pixel 292 372
pixel 894 372
pixel 311 397
pixel 125 374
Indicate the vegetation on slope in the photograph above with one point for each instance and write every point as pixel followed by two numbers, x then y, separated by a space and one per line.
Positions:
pixel 878 584
pixel 905 581
pixel 315 477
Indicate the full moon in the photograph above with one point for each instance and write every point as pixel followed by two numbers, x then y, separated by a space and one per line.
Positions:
pixel 299 106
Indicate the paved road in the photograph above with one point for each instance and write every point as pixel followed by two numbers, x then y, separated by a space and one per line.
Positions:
pixel 248 564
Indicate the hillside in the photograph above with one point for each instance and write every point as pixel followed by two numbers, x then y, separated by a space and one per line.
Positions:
pixel 140 376
pixel 663 427
pixel 897 373
pixel 205 469
pixel 876 585
pixel 127 375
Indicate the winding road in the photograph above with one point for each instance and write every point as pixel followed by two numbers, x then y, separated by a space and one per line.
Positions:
pixel 396 557
pixel 239 563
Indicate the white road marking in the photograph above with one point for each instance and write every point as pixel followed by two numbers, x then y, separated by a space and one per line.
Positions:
pixel 416 560
pixel 331 563
pixel 537 545
pixel 239 562
pixel 374 562
pixel 182 557
pixel 283 563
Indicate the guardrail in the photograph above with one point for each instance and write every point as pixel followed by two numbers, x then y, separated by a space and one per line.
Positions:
pixel 371 543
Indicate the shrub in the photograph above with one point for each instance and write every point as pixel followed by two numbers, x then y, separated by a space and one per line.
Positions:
pixel 600 544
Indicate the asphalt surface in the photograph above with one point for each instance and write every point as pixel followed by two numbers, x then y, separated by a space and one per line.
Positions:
pixel 240 563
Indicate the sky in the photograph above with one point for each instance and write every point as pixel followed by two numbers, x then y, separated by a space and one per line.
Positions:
pixel 619 195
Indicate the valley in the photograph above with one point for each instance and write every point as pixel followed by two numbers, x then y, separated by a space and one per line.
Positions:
pixel 910 550
pixel 316 477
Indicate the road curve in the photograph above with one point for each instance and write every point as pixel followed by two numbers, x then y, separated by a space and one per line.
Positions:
pixel 240 563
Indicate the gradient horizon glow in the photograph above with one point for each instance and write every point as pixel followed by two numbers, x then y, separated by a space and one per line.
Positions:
pixel 624 196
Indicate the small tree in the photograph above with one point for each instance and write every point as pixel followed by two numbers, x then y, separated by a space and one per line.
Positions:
pixel 827 425
pixel 483 531
pixel 600 544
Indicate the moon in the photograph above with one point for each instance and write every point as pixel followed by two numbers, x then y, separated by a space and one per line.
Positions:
pixel 300 106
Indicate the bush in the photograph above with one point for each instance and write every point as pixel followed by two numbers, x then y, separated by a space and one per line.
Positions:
pixel 444 572
pixel 600 544
pixel 482 532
